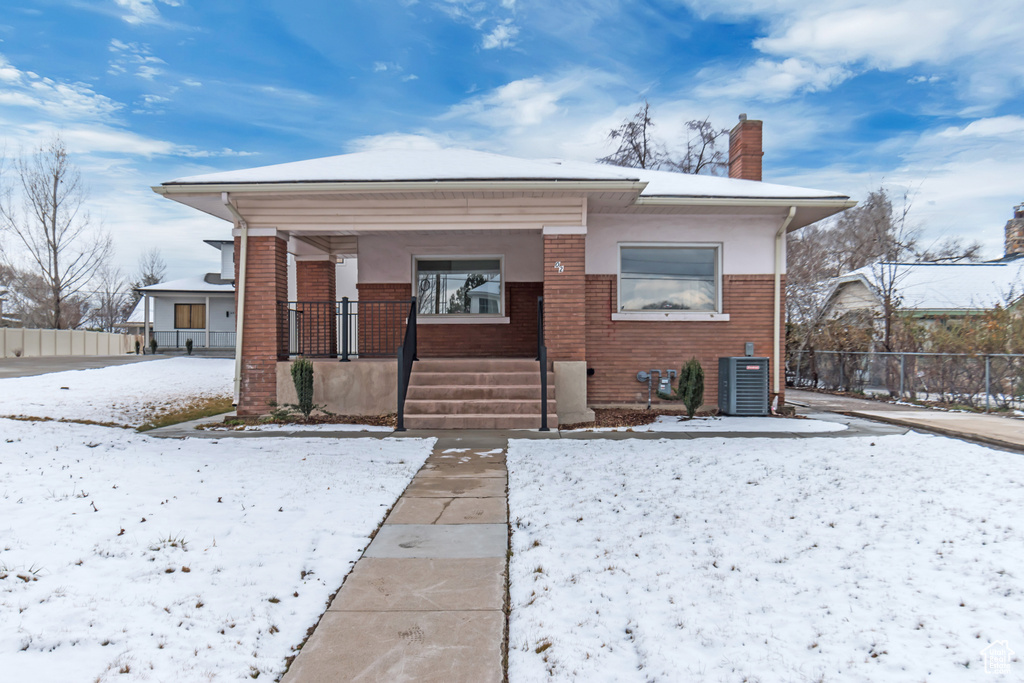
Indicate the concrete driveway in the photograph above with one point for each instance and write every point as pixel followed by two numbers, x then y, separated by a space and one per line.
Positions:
pixel 28 367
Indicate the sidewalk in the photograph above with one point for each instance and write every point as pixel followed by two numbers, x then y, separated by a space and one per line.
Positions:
pixel 991 430
pixel 426 601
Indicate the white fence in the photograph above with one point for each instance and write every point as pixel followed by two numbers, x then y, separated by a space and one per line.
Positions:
pixel 20 342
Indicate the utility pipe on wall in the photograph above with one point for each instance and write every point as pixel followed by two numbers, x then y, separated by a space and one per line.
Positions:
pixel 240 314
pixel 780 240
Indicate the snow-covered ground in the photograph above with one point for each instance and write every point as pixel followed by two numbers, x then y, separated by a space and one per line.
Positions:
pixel 275 427
pixel 121 394
pixel 125 557
pixel 672 423
pixel 895 558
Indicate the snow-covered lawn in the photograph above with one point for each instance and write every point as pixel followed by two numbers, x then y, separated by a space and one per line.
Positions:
pixel 673 423
pixel 897 558
pixel 125 557
pixel 121 394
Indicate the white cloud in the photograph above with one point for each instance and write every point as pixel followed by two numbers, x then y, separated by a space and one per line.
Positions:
pixel 999 126
pixel 380 66
pixel 770 80
pixel 192 83
pixel 62 101
pixel 144 11
pixel 425 141
pixel 137 56
pixel 503 35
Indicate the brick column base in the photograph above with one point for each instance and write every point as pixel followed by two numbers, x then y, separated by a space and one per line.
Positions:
pixel 263 337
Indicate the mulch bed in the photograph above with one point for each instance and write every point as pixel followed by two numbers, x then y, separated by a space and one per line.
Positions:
pixel 371 420
pixel 628 417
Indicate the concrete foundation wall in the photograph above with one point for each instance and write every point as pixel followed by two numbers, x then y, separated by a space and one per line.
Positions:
pixel 29 343
pixel 359 387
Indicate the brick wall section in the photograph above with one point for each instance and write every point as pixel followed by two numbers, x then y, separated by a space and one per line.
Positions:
pixel 617 350
pixel 315 283
pixel 1014 243
pixel 382 327
pixel 262 341
pixel 518 338
pixel 565 313
pixel 745 150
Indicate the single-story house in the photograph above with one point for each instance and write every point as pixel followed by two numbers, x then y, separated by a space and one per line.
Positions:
pixel 935 290
pixel 200 308
pixel 636 269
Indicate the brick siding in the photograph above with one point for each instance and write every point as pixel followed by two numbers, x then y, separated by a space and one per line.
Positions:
pixel 565 313
pixel 315 284
pixel 517 338
pixel 745 150
pixel 617 350
pixel 262 341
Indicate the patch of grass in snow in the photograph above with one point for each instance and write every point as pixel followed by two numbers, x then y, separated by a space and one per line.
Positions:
pixel 186 412
pixel 32 418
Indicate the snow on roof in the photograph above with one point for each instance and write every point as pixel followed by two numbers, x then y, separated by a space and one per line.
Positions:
pixel 467 165
pixel 946 286
pixel 136 317
pixel 189 284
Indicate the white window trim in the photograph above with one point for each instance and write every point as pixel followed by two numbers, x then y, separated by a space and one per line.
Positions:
pixel 716 315
pixel 498 318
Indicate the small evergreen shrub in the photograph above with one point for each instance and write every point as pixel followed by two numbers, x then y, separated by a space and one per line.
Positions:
pixel 302 376
pixel 138 347
pixel 188 346
pixel 152 346
pixel 690 388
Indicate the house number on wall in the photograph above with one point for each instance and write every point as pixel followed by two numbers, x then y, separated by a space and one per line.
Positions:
pixel 559 267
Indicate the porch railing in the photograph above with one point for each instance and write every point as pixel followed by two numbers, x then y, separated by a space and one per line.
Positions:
pixel 343 329
pixel 406 357
pixel 175 339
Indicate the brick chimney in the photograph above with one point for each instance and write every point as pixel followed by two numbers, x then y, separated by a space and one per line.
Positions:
pixel 1015 232
pixel 745 150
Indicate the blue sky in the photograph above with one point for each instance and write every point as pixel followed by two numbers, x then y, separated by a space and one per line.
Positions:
pixel 922 95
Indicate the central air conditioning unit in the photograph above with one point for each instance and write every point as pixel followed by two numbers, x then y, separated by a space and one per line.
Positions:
pixel 743 385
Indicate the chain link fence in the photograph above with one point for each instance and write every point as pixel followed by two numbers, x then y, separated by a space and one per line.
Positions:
pixel 983 381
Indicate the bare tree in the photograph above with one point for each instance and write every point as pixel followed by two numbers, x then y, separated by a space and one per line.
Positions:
pixel 637 147
pixel 52 225
pixel 112 302
pixel 152 269
pixel 702 153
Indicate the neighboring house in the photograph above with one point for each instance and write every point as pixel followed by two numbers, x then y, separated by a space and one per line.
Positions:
pixel 138 320
pixel 935 290
pixel 198 308
pixel 638 270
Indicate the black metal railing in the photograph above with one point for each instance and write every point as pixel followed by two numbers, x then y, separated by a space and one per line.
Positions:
pixel 542 357
pixel 343 329
pixel 175 339
pixel 406 357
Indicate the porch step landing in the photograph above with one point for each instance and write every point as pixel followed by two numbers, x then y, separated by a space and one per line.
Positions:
pixel 477 393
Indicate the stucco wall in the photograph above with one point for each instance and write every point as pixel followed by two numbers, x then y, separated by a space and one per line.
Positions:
pixel 748 242
pixel 387 258
pixel 359 387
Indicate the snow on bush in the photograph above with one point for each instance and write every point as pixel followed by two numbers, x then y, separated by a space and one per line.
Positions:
pixel 121 394
pixel 890 559
pixel 124 557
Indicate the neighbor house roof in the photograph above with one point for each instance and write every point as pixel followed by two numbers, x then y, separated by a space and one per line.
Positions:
pixel 189 284
pixel 409 165
pixel 943 287
pixel 137 316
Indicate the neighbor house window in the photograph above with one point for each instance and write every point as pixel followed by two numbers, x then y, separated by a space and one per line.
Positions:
pixel 190 316
pixel 660 277
pixel 459 286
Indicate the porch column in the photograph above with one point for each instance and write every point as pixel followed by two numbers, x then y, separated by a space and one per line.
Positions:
pixel 145 322
pixel 206 309
pixel 565 318
pixel 262 337
pixel 316 292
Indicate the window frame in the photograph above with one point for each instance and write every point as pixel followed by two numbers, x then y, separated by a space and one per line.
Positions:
pixel 488 318
pixel 191 317
pixel 717 314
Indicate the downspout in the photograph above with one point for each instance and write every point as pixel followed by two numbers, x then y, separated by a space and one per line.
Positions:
pixel 240 313
pixel 780 238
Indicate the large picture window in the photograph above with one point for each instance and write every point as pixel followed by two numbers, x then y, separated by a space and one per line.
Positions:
pixel 190 316
pixel 683 278
pixel 459 286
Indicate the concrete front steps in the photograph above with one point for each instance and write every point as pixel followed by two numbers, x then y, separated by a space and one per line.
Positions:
pixel 477 393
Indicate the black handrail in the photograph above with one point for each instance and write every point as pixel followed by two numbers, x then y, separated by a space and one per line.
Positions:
pixel 542 356
pixel 406 357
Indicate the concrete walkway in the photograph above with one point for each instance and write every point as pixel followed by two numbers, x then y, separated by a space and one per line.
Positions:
pixel 991 430
pixel 426 601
